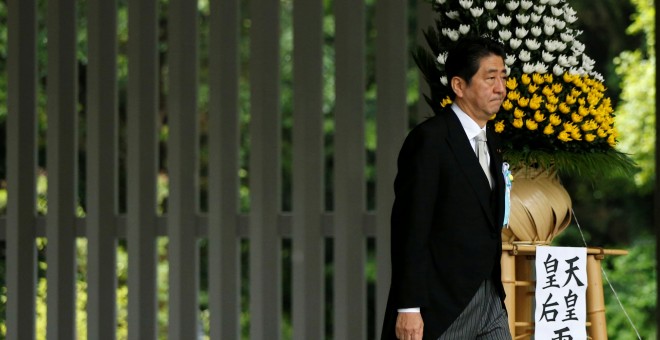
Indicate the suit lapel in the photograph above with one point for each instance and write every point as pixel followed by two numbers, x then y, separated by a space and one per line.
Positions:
pixel 469 164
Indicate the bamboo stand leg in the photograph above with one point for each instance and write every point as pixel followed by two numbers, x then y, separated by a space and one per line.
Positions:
pixel 595 299
pixel 524 294
pixel 508 263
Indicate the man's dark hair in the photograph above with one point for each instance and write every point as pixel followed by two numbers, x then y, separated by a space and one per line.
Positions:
pixel 463 59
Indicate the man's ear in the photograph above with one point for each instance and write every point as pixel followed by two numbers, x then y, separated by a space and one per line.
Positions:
pixel 458 85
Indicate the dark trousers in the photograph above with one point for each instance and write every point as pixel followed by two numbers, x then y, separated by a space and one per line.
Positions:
pixel 484 318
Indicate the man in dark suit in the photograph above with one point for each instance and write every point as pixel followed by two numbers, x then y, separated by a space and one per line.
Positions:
pixel 448 212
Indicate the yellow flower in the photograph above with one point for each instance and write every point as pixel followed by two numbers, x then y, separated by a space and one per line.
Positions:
pixel 518 113
pixel 575 92
pixel 581 101
pixel 507 105
pixel 564 108
pixel 512 83
pixel 537 78
pixel 569 127
pixel 548 77
pixel 570 100
pixel 531 125
pixel 523 102
pixel 557 87
pixel 499 126
pixel 538 116
pixel 601 133
pixel 589 125
pixel 446 101
pixel 555 120
pixel 568 78
pixel 548 130
pixel 525 79
pixel 547 91
pixel 532 88
pixel 551 107
pixel 513 95
pixel 576 135
pixel 518 123
pixel 583 111
pixel 564 136
pixel 576 117
pixel 611 140
pixel 589 137
pixel 552 99
pixel 535 102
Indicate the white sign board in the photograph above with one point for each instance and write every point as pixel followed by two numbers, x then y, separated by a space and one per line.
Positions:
pixel 561 293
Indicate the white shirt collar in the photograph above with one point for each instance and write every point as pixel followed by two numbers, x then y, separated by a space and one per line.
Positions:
pixel 471 127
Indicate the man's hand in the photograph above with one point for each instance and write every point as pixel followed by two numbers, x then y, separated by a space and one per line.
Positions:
pixel 409 326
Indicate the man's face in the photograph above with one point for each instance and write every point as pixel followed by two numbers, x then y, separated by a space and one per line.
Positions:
pixel 483 97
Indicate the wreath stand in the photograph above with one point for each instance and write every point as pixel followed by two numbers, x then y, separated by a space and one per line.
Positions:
pixel 517 278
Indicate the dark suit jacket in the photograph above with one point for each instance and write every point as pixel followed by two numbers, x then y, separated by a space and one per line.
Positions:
pixel 446 224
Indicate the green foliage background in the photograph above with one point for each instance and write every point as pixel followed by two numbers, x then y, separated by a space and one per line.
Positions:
pixel 616 213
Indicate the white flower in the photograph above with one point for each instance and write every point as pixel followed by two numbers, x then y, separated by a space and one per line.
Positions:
pixel 510 59
pixel 598 76
pixel 563 61
pixel 539 8
pixel 490 5
pixel 561 46
pixel 556 11
pixel 521 32
pixel 551 45
pixel 544 1
pixel 512 5
pixel 464 29
pixel 547 56
pixel 528 68
pixel 465 3
pixel 505 34
pixel 570 18
pixel 442 58
pixel 535 17
pixel 440 2
pixel 453 35
pixel 504 19
pixel 452 15
pixel 524 55
pixel 508 70
pixel 541 68
pixel 549 30
pixel 558 70
pixel 532 44
pixel 588 63
pixel 522 18
pixel 549 21
pixel 579 71
pixel 565 37
pixel 568 10
pixel 553 2
pixel 492 24
pixel 536 31
pixel 560 24
pixel 526 4
pixel 515 43
pixel 577 47
pixel 573 60
pixel 443 80
pixel 477 11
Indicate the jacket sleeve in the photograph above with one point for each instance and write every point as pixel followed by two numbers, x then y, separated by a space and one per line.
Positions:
pixel 416 188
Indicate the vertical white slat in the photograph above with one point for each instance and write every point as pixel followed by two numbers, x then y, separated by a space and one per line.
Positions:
pixel 224 146
pixel 308 171
pixel 182 166
pixel 142 169
pixel 391 126
pixel 349 168
pixel 21 168
pixel 62 170
pixel 265 243
pixel 424 21
pixel 101 169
